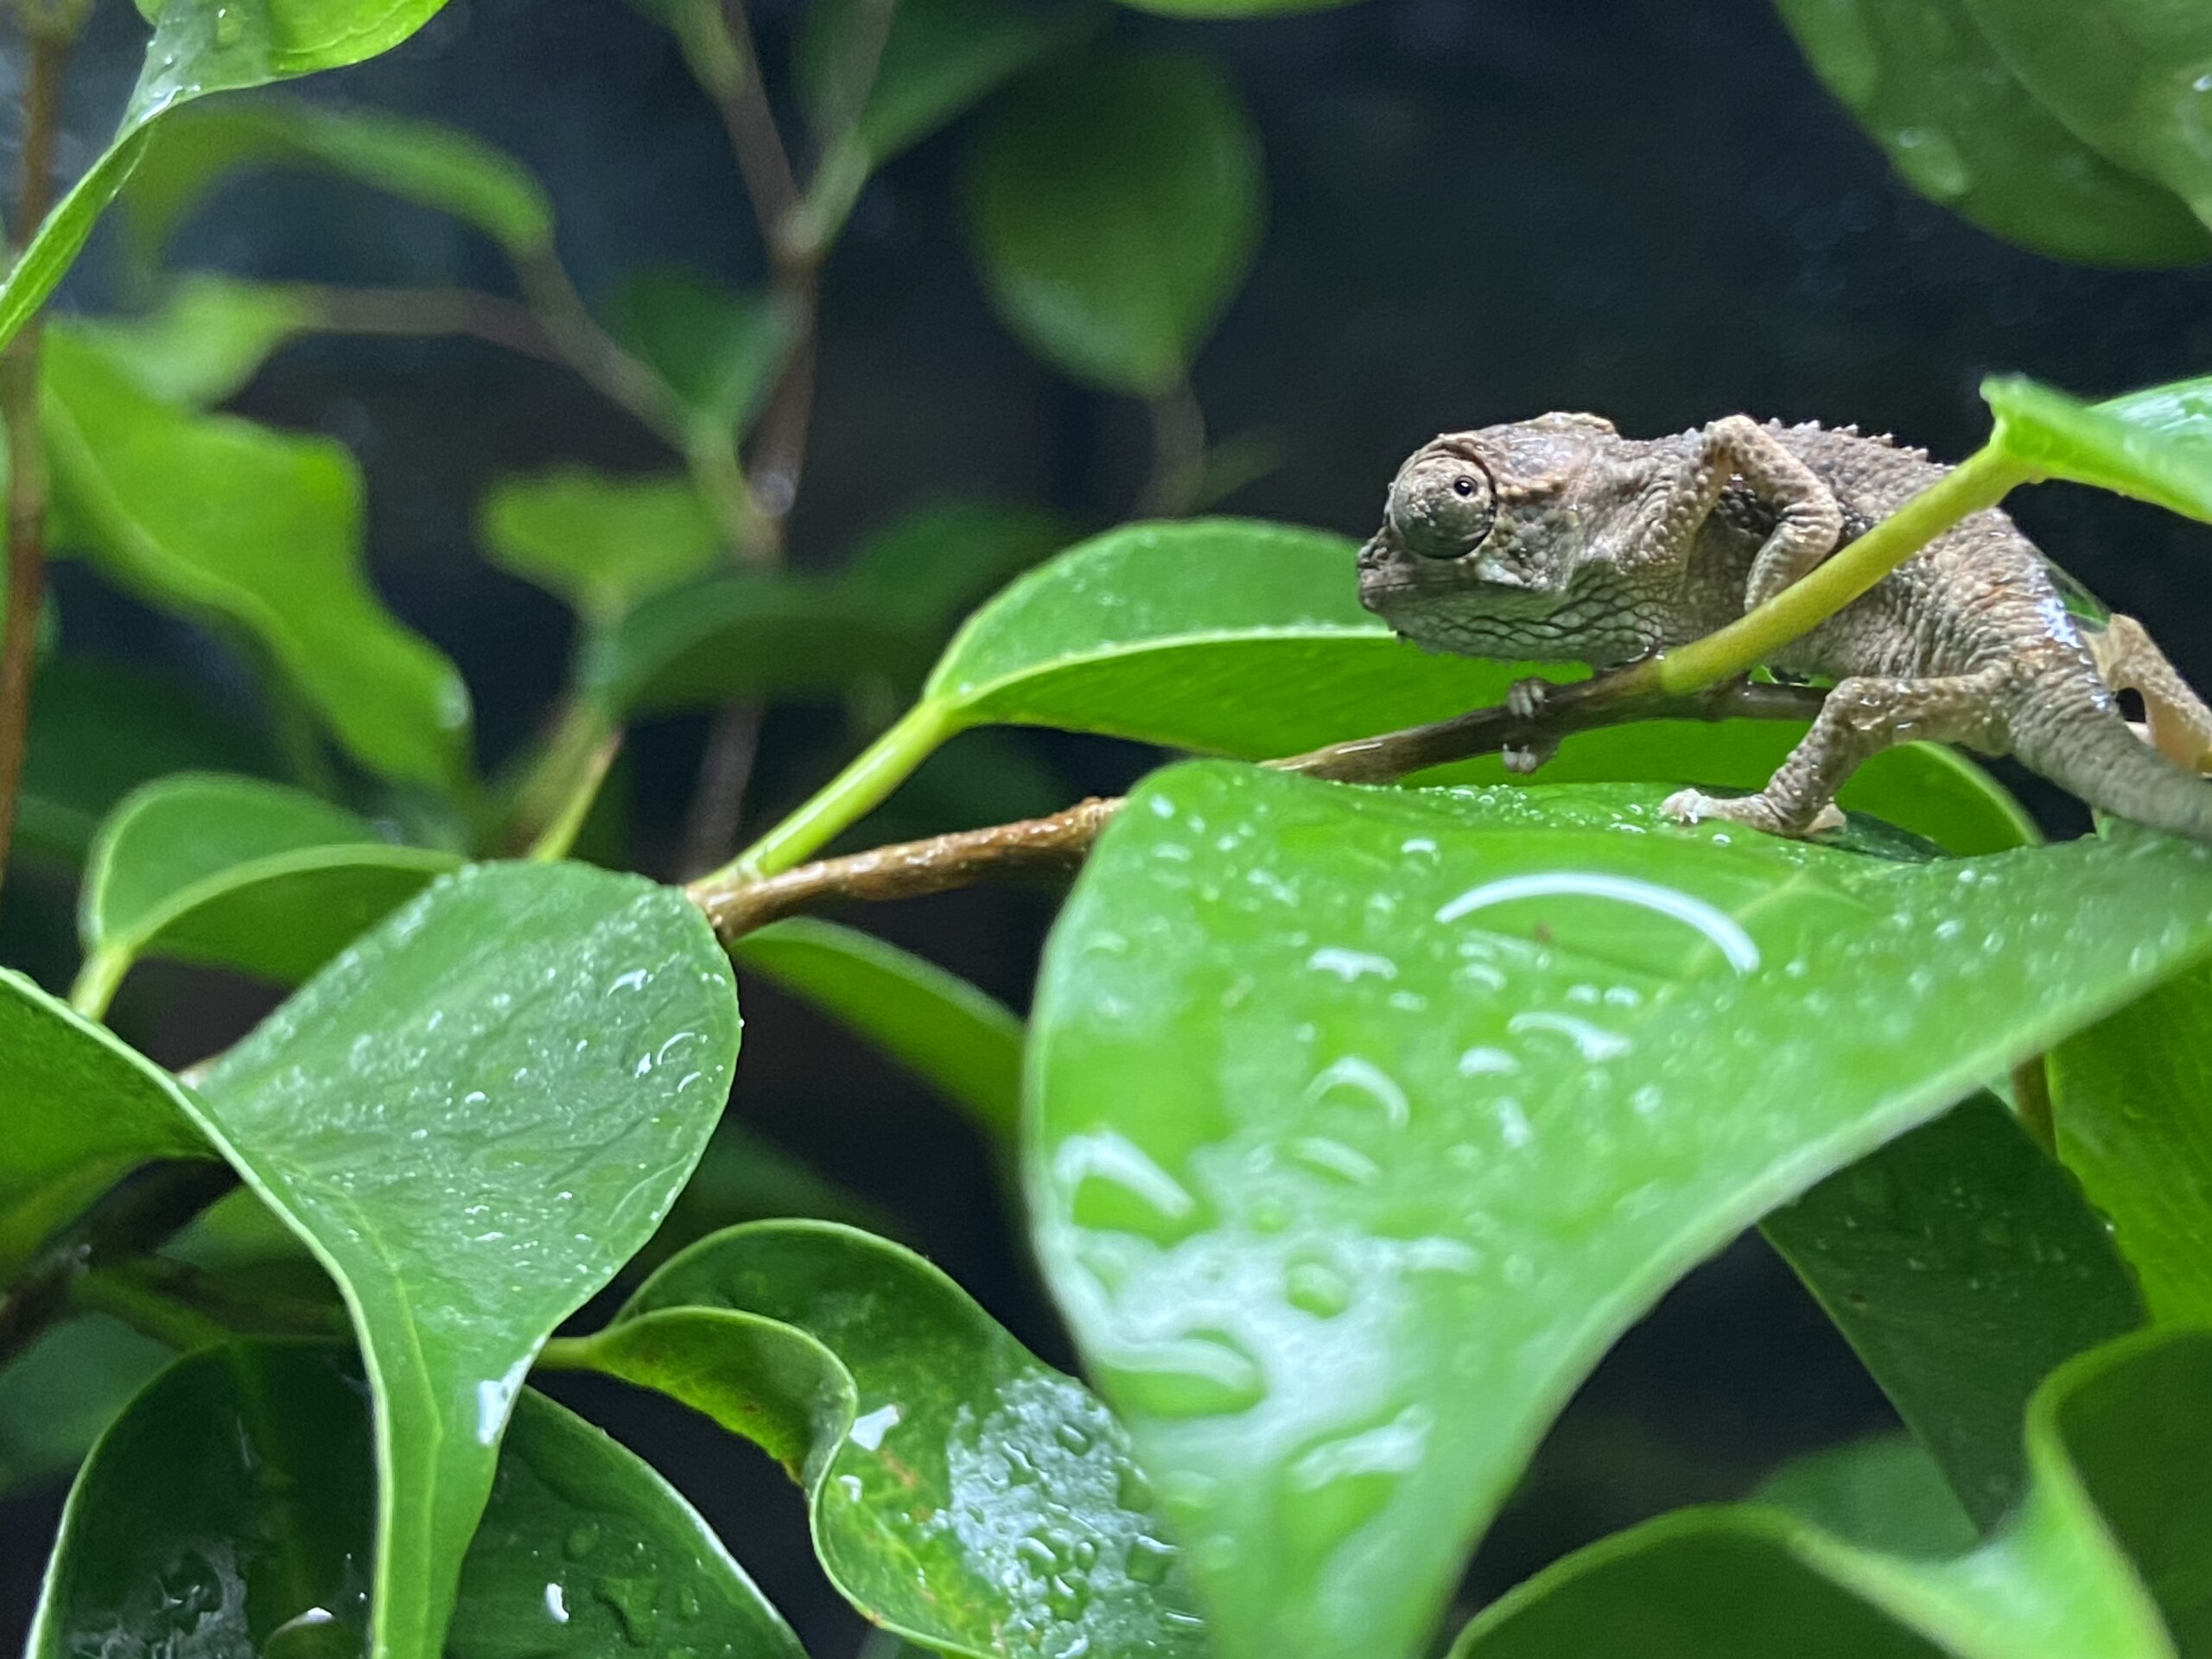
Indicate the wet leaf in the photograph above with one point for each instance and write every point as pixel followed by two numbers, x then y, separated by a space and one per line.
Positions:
pixel 2133 1101
pixel 2135 86
pixel 230 1508
pixel 435 166
pixel 214 515
pixel 1114 205
pixel 1964 1265
pixel 2155 444
pixel 939 60
pixel 236 873
pixel 2066 1576
pixel 1957 122
pixel 604 544
pixel 1362 1121
pixel 82 1110
pixel 197 49
pixel 209 337
pixel 966 1045
pixel 964 1495
pixel 474 1116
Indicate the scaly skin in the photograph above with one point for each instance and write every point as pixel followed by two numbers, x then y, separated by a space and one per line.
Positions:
pixel 1557 538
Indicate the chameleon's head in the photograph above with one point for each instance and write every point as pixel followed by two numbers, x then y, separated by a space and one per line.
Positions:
pixel 1480 525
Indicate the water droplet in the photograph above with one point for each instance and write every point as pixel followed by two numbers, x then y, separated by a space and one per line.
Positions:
pixel 1204 1374
pixel 633 1599
pixel 1722 930
pixel 1112 1184
pixel 1369 1081
pixel 557 1604
pixel 1932 163
pixel 868 1432
pixel 1593 1043
pixel 1149 1560
pixel 1350 965
pixel 1332 1159
pixel 1316 1288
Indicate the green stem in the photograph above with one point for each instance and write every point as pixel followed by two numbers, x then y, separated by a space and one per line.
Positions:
pixel 127 1296
pixel 565 1354
pixel 1981 480
pixel 98 980
pixel 848 798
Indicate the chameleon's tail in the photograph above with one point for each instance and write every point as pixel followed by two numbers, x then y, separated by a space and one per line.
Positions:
pixel 2097 756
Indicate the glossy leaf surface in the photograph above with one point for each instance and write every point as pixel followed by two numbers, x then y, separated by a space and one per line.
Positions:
pixel 2155 444
pixel 2134 1100
pixel 1957 122
pixel 1352 1108
pixel 601 543
pixel 197 49
pixel 2067 1575
pixel 230 1508
pixel 474 1116
pixel 1964 1265
pixel 237 873
pixel 82 1110
pixel 965 1044
pixel 964 1494
pixel 1114 206
pixel 212 515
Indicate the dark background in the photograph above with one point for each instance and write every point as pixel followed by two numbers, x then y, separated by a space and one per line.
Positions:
pixel 1479 209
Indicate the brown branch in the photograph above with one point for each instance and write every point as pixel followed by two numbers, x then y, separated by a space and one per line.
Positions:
pixel 1179 454
pixel 1061 841
pixel 414 313
pixel 19 407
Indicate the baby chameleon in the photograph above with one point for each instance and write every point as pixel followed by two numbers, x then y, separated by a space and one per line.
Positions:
pixel 1557 538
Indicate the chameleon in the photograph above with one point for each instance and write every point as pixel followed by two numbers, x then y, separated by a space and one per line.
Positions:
pixel 1557 539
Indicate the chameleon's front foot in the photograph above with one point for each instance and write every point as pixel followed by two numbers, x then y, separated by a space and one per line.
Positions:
pixel 1752 811
pixel 1525 701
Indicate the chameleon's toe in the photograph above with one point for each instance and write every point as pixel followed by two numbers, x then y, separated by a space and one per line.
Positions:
pixel 1521 758
pixel 1525 699
pixel 1752 811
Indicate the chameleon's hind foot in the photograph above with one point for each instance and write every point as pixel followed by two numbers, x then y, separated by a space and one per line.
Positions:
pixel 1752 811
pixel 2179 724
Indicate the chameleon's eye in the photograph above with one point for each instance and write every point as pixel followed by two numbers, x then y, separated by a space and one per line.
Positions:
pixel 1442 505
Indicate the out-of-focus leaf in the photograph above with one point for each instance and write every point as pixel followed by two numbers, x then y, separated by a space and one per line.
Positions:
pixel 963 1042
pixel 2156 444
pixel 1362 1121
pixel 197 49
pixel 745 1176
pixel 750 633
pixel 473 1116
pixel 1936 93
pixel 82 1110
pixel 2133 1101
pixel 964 1495
pixel 218 517
pixel 58 1394
pixel 2133 85
pixel 717 348
pixel 1964 1265
pixel 602 543
pixel 1114 205
pixel 236 873
pixel 230 1508
pixel 2120 1456
pixel 209 338
pixel 423 161
pixel 1885 1493
pixel 940 58
pixel 1233 8
pixel 101 728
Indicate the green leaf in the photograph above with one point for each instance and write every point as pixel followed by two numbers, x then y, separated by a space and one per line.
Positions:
pixel 234 872
pixel 58 1395
pixel 433 165
pixel 744 1176
pixel 197 49
pixel 2133 86
pixel 1886 1493
pixel 82 1110
pixel 2155 444
pixel 1964 1266
pixel 228 1511
pixel 2118 1444
pixel 1233 8
pixel 219 517
pixel 2133 1101
pixel 101 728
pixel 964 1495
pixel 1114 206
pixel 718 348
pixel 474 1116
pixel 1362 1121
pixel 1955 121
pixel 604 544
pixel 966 1045
pixel 939 60
pixel 750 635
pixel 208 339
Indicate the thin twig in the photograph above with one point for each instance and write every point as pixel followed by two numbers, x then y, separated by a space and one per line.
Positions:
pixel 1062 841
pixel 1179 452
pixel 419 311
pixel 19 407
pixel 718 796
